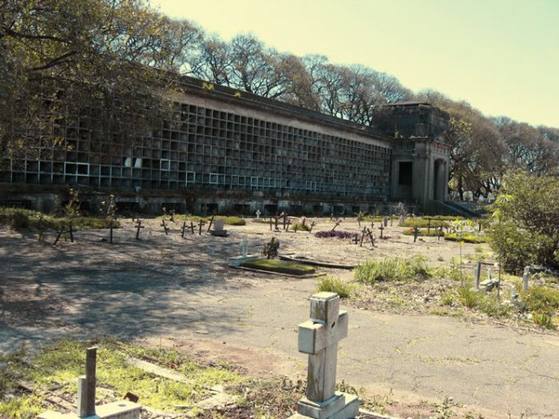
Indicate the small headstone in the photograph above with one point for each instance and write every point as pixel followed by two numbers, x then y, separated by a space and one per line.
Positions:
pixel 218 229
pixel 258 213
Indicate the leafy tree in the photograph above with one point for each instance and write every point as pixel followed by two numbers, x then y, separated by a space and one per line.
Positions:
pixel 63 58
pixel 525 221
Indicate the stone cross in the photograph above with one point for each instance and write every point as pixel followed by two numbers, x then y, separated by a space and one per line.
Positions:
pixel 258 214
pixel 319 337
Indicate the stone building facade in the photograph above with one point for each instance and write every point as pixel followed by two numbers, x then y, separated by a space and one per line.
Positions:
pixel 222 150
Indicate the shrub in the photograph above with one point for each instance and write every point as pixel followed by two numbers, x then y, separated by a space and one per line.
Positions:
pixel 525 222
pixel 468 297
pixel 340 234
pixel 541 299
pixel 424 232
pixel 233 220
pixel 334 284
pixel 544 320
pixel 392 269
pixel 465 237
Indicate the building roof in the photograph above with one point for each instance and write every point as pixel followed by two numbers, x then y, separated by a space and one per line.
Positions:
pixel 239 97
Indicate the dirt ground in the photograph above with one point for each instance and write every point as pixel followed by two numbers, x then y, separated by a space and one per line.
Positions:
pixel 181 292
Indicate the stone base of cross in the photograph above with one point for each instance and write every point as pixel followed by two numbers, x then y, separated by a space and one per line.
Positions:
pixel 319 338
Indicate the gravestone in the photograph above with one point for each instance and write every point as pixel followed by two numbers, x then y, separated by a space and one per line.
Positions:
pixel 258 214
pixel 218 229
pixel 319 337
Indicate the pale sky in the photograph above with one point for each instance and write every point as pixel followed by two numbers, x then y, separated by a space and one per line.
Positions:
pixel 502 56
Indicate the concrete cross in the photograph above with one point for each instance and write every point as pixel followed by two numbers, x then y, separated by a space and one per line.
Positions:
pixel 319 337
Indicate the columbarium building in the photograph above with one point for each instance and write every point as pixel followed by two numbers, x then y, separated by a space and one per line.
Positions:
pixel 223 150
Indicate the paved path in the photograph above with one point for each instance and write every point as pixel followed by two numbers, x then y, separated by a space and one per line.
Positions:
pixel 431 357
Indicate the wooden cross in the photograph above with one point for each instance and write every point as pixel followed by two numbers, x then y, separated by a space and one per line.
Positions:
pixel 311 226
pixel 338 222
pixel 371 237
pixel 165 228
pixel 211 222
pixel 111 226
pixel 200 224
pixel 270 223
pixel 319 337
pixel 62 231
pixel 139 226
pixel 183 229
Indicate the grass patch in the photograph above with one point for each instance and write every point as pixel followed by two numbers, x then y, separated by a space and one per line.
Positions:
pixel 60 365
pixel 392 269
pixel 424 222
pixel 465 237
pixel 281 266
pixel 22 219
pixel 332 283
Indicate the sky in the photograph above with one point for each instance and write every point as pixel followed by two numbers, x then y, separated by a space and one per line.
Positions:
pixel 501 56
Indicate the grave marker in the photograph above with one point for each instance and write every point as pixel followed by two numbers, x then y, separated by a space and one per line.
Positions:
pixel 381 228
pixel 258 214
pixel 415 233
pixel 139 226
pixel 165 228
pixel 525 278
pixel 319 337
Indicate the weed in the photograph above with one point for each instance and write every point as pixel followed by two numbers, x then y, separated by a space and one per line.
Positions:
pixel 392 269
pixel 544 320
pixel 468 297
pixel 334 284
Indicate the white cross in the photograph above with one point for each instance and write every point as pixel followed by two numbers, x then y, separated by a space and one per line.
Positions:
pixel 319 338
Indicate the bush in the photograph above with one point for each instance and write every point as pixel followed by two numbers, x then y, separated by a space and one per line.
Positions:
pixel 340 234
pixel 541 299
pixel 465 237
pixel 22 219
pixel 334 284
pixel 392 269
pixel 544 320
pixel 525 222
pixel 233 220
pixel 468 297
